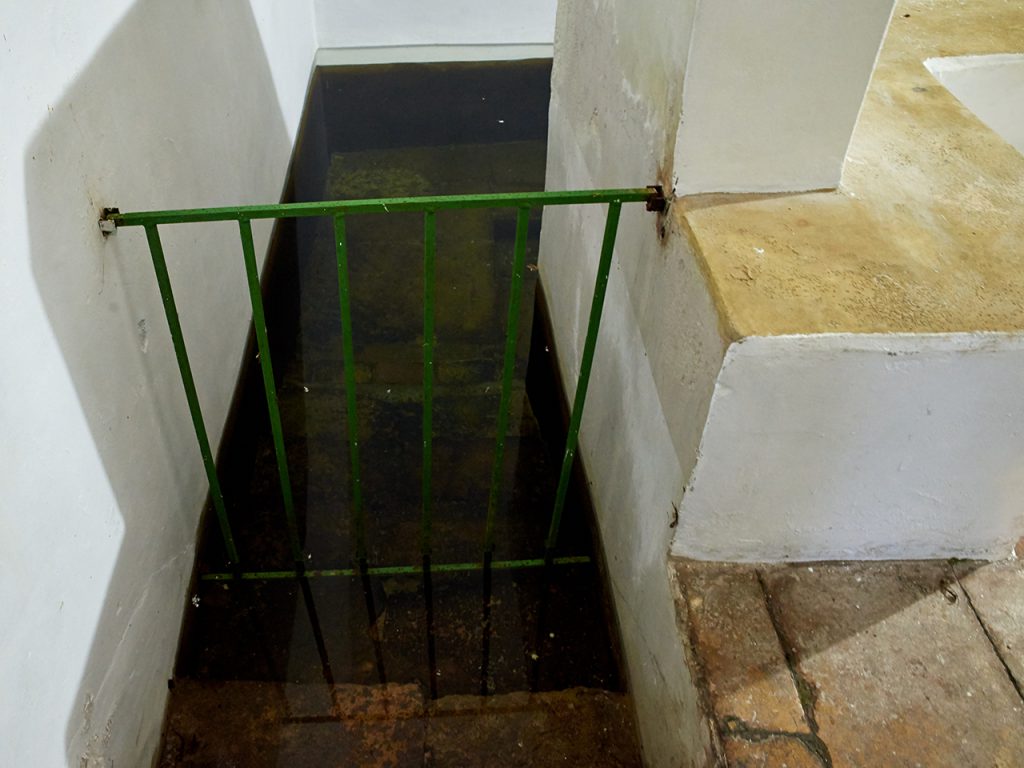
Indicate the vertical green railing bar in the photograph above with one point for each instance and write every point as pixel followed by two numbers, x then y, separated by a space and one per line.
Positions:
pixel 429 252
pixel 511 337
pixel 170 310
pixel 348 360
pixel 259 322
pixel 597 304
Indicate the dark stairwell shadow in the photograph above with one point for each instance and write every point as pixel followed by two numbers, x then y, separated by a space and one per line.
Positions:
pixel 177 108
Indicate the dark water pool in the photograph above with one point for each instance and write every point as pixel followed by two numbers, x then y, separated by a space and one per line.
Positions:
pixel 440 646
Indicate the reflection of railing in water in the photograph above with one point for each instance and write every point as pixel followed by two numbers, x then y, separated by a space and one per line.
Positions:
pixel 338 211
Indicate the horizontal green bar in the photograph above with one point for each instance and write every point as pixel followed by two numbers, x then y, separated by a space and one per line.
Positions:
pixel 379 205
pixel 393 570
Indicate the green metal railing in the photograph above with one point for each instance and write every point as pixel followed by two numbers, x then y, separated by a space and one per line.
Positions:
pixel 338 211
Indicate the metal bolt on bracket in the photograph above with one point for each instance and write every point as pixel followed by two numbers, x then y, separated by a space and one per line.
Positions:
pixel 656 198
pixel 107 225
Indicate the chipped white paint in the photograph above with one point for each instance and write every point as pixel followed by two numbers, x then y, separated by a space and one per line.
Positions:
pixel 861 447
pixel 992 87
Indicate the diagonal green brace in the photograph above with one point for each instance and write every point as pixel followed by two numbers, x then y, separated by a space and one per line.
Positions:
pixel 586 363
pixel 259 322
pixel 163 280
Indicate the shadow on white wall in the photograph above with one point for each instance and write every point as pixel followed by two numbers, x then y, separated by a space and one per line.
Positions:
pixel 178 107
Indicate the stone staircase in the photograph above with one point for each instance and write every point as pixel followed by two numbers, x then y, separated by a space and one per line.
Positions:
pixel 386 670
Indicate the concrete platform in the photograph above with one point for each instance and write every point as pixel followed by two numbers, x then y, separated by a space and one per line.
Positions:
pixel 866 664
pixel 923 234
pixel 866 402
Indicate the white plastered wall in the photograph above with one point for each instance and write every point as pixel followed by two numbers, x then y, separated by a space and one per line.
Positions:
pixel 616 90
pixel 140 105
pixel 860 447
pixel 391 23
pixel 772 92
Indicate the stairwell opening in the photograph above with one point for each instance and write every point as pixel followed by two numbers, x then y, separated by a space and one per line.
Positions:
pixel 517 664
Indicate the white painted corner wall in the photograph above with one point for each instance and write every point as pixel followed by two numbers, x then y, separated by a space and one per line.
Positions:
pixel 991 86
pixel 861 447
pixel 772 92
pixel 402 23
pixel 288 35
pixel 138 104
pixel 616 90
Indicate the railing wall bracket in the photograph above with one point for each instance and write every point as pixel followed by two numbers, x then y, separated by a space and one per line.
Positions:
pixel 108 225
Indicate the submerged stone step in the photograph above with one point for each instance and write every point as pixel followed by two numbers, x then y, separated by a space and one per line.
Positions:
pixel 257 724
pixel 460 408
pixel 521 628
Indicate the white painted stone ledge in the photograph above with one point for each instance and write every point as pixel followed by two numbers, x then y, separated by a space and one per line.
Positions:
pixel 844 446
